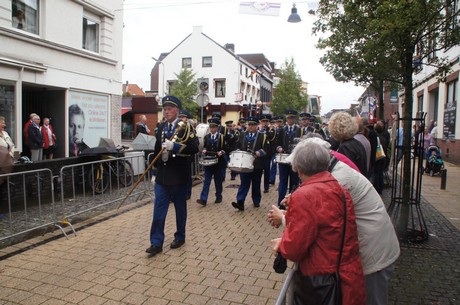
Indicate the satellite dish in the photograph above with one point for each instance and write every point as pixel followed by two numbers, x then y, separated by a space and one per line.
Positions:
pixel 202 100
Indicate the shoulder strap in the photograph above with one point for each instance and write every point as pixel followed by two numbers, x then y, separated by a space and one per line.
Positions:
pixel 332 163
pixel 344 229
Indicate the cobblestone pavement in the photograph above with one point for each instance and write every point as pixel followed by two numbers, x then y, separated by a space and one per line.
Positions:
pixel 226 260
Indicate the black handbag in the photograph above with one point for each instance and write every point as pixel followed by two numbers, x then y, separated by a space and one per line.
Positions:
pixel 321 289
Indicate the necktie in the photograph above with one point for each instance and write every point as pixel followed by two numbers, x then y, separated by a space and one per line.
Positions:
pixel 290 129
pixel 170 127
pixel 213 137
pixel 251 136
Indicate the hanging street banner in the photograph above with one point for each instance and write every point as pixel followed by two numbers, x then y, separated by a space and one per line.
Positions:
pixel 260 8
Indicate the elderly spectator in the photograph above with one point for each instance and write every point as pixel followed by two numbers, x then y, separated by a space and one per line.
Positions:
pixel 382 164
pixel 36 139
pixel 343 128
pixel 378 243
pixel 434 133
pixel 5 139
pixel 314 224
pixel 141 126
pixel 49 139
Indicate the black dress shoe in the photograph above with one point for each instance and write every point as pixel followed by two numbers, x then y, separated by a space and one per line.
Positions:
pixel 232 178
pixel 153 250
pixel 218 200
pixel 202 202
pixel 256 205
pixel 265 191
pixel 271 182
pixel 177 244
pixel 238 205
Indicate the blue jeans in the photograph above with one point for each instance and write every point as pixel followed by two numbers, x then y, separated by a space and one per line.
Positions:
pixel 209 172
pixel 286 173
pixel 246 179
pixel 164 193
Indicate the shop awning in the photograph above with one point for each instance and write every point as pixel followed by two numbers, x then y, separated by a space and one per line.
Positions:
pixel 125 110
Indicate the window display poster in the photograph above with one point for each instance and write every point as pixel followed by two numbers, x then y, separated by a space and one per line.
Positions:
pixel 449 121
pixel 88 118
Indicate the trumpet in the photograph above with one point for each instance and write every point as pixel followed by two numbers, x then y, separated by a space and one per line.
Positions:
pixel 180 125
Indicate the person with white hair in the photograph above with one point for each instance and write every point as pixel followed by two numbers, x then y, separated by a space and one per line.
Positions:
pixel 321 233
pixel 378 243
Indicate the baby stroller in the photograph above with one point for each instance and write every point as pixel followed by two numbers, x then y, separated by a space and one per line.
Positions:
pixel 434 163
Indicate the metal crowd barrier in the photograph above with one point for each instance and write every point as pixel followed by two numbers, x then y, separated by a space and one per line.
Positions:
pixel 90 186
pixel 286 295
pixel 29 196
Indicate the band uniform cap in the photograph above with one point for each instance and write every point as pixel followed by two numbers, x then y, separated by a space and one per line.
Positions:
pixel 216 115
pixel 214 122
pixel 171 100
pixel 229 122
pixel 305 115
pixel 184 113
pixel 242 120
pixel 252 120
pixel 279 118
pixel 291 113
pixel 265 117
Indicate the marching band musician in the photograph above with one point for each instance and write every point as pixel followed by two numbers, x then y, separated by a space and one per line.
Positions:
pixel 242 124
pixel 255 142
pixel 223 131
pixel 305 123
pixel 173 173
pixel 232 135
pixel 277 125
pixel 214 145
pixel 271 134
pixel 285 144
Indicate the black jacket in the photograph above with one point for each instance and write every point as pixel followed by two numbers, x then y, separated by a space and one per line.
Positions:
pixel 214 147
pixel 35 137
pixel 176 170
pixel 258 143
pixel 286 140
pixel 356 152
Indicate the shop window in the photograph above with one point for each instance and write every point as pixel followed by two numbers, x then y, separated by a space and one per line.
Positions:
pixel 7 108
pixel 90 35
pixel 25 15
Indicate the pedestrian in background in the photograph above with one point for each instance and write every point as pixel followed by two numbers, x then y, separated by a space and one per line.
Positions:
pixel 35 139
pixel 49 139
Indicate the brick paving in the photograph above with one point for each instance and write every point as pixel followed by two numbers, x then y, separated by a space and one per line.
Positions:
pixel 226 258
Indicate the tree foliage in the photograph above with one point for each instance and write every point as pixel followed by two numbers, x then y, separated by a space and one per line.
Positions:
pixel 369 41
pixel 288 93
pixel 185 88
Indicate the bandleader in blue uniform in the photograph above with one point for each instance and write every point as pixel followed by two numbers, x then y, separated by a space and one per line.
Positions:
pixel 173 173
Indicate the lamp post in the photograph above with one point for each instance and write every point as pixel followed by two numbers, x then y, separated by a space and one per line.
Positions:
pixel 162 93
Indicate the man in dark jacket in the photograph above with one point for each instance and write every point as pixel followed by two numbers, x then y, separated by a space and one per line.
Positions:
pixel 176 145
pixel 35 138
pixel 255 142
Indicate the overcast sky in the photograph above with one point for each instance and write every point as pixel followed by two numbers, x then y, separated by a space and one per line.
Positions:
pixel 152 27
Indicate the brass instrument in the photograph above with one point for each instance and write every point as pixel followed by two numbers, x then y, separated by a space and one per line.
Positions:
pixel 180 125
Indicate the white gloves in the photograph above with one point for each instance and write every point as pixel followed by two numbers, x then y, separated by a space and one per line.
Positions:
pixel 168 145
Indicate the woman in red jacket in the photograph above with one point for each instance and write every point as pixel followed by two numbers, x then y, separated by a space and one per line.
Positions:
pixel 49 139
pixel 314 226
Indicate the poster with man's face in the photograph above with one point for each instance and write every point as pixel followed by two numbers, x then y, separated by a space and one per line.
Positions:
pixel 87 119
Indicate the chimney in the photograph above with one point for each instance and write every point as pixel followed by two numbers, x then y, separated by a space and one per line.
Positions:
pixel 230 47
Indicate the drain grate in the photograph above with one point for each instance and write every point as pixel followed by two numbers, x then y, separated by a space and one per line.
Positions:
pixel 432 243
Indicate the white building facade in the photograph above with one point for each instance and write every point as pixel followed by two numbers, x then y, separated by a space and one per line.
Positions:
pixel 230 83
pixel 55 54
pixel 439 99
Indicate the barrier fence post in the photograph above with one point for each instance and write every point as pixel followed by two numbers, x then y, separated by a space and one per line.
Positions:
pixel 443 179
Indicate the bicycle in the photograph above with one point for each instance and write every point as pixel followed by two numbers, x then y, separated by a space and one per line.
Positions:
pixel 99 176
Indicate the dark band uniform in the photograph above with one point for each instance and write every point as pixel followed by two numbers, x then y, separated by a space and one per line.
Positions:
pixel 287 134
pixel 270 133
pixel 173 173
pixel 213 144
pixel 255 143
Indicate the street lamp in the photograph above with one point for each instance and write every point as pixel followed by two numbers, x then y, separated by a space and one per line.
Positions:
pixel 162 93
pixel 294 17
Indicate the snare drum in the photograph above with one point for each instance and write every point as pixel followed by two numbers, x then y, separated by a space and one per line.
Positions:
pixel 208 161
pixel 241 161
pixel 281 158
